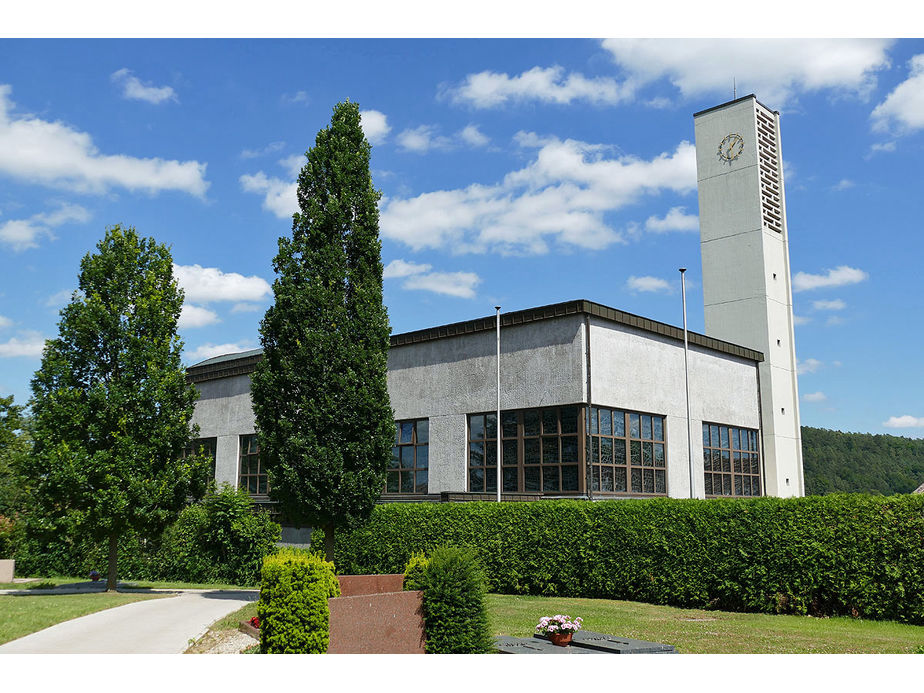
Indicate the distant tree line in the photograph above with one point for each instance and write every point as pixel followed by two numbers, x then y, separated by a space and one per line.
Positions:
pixel 837 462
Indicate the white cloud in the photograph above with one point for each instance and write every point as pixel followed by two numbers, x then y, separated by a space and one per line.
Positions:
pixel 471 135
pixel 774 69
pixel 675 220
pixel 59 299
pixel 209 350
pixel 460 284
pixel 545 84
pixel 268 149
pixel 836 304
pixel 279 196
pixel 133 88
pixel 800 320
pixel 422 139
pixel 840 276
pixel 375 126
pixel 5 321
pixel 808 366
pixel 196 316
pixel 834 320
pixel 401 268
pixel 903 109
pixel 205 284
pixel 22 234
pixel 843 184
pixel 293 164
pixel 300 96
pixel 814 397
pixel 648 284
pixel 29 343
pixel 245 308
pixel 906 421
pixel 55 154
pixel 561 195
pixel 882 147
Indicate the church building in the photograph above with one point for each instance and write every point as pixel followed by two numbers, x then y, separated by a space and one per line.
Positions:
pixel 595 403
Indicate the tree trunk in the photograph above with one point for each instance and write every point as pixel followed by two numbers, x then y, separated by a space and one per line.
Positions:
pixel 329 541
pixel 113 562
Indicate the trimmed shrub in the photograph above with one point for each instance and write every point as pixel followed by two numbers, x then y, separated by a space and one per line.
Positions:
pixel 293 611
pixel 844 554
pixel 415 571
pixel 455 615
pixel 220 539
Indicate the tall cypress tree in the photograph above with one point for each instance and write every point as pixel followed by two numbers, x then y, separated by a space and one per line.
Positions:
pixel 320 396
pixel 111 406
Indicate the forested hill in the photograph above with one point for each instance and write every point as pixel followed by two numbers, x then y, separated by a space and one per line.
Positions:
pixel 860 462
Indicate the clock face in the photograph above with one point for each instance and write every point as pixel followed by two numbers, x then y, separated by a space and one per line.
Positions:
pixel 731 147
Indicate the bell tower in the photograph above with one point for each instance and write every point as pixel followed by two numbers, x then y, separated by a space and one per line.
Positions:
pixel 747 287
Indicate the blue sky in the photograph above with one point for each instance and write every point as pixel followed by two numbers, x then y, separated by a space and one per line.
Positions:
pixel 521 172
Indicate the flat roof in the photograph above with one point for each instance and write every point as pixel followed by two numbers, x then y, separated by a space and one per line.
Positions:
pixel 734 101
pixel 244 362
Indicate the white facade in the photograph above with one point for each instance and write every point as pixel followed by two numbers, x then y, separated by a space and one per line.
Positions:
pixel 747 289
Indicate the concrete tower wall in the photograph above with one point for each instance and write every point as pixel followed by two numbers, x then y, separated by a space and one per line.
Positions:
pixel 747 290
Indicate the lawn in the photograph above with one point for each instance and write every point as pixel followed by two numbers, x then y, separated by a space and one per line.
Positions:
pixel 47 583
pixel 695 631
pixel 23 615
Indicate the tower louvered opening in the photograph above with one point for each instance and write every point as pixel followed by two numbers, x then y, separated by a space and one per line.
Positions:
pixel 771 204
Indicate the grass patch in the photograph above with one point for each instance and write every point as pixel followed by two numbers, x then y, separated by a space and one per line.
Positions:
pixel 48 583
pixel 713 632
pixel 27 614
pixel 41 584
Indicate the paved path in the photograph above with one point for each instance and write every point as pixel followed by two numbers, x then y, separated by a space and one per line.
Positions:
pixel 154 626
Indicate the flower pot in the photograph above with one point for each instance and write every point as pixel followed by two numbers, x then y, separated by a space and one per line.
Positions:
pixel 560 639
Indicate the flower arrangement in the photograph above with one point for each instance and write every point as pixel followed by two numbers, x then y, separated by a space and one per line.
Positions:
pixel 94 575
pixel 255 622
pixel 551 625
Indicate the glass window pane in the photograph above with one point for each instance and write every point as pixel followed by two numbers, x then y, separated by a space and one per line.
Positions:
pixel 423 456
pixel 510 452
pixel 707 460
pixel 510 479
pixel 407 432
pixel 606 422
pixel 490 426
pixel 407 482
pixel 395 456
pixel 407 457
pixel 392 485
pixel 569 419
pixel 755 464
pixel 476 480
pixel 636 481
pixel 550 451
pixel 634 425
pixel 705 435
pixel 531 423
pixel 723 432
pixel 569 477
pixel 532 478
pixel 531 451
pixel 619 451
pixel 647 455
pixel 716 460
pixel 708 484
pixel 714 434
pixel 509 423
pixel 423 431
pixel 569 449
pixel 735 440
pixel 397 433
pixel 736 462
pixel 659 454
pixel 490 453
pixel 606 478
pixel 595 449
pixel 657 425
pixel 420 481
pixel 726 462
pixel 646 428
pixel 619 480
pixel 476 454
pixel 550 421
pixel 252 484
pixel 594 428
pixel 595 478
pixel 606 450
pixel 619 423
pixel 755 486
pixel 726 484
pixel 636 451
pixel 476 427
pixel 648 480
pixel 490 480
pixel 660 481
pixel 550 479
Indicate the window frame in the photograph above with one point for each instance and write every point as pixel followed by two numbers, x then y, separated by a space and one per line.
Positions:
pixel 753 449
pixel 414 445
pixel 260 473
pixel 596 467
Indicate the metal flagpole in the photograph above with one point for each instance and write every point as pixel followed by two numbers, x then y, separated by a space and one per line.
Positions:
pixel 686 375
pixel 500 480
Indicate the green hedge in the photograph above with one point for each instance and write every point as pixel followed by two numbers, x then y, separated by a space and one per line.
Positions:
pixel 823 555
pixel 293 611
